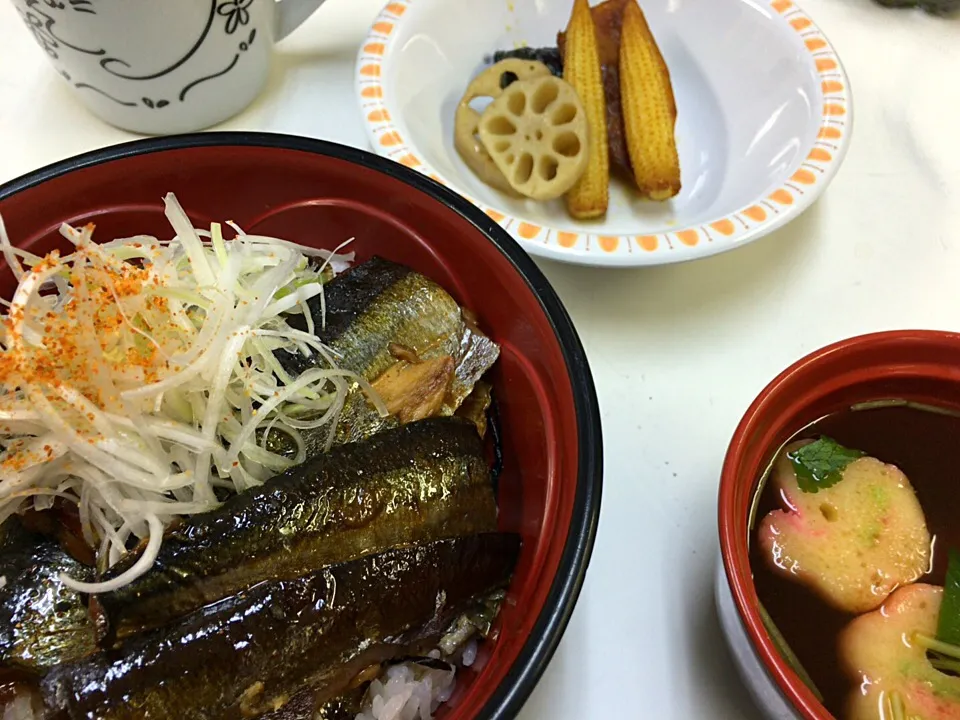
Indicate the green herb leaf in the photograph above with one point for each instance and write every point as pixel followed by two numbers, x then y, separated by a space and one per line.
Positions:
pixel 820 464
pixel 948 626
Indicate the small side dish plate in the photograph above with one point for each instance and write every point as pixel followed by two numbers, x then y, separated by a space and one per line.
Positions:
pixel 764 119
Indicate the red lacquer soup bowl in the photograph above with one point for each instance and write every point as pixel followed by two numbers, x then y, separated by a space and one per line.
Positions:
pixel 320 194
pixel 912 365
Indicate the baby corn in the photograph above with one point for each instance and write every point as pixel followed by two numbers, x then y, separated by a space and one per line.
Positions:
pixel 581 69
pixel 649 110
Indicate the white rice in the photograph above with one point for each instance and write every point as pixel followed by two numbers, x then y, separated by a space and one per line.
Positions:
pixel 408 691
pixel 469 654
pixel 412 691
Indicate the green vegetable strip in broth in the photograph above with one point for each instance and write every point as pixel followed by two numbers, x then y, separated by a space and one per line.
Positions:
pixel 948 625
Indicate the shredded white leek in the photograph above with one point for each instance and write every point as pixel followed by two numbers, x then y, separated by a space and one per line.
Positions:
pixel 139 377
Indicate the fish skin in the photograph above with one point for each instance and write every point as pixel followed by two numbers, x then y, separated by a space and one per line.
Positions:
pixel 278 637
pixel 308 705
pixel 477 405
pixel 372 306
pixel 42 621
pixel 339 709
pixel 305 705
pixel 414 483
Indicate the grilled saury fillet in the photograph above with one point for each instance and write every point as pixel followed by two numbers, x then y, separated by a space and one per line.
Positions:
pixel 419 482
pixel 371 310
pixel 248 654
pixel 42 622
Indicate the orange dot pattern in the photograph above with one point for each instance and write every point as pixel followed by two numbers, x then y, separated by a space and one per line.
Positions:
pixel 829 87
pixel 724 227
pixel 827 147
pixel 834 89
pixel 391 139
pixel 608 243
pixel 528 231
pixel 648 242
pixel 781 196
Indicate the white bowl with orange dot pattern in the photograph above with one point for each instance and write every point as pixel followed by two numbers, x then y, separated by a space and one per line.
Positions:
pixel 764 119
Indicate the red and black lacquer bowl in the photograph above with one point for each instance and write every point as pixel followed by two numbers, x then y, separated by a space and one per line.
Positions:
pixel 921 366
pixel 320 194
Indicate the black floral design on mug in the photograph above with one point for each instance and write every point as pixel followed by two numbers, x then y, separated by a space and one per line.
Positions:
pixel 41 24
pixel 84 6
pixel 245 44
pixel 41 16
pixel 236 13
pixel 104 93
pixel 108 63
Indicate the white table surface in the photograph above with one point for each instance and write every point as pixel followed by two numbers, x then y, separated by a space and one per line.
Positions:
pixel 677 352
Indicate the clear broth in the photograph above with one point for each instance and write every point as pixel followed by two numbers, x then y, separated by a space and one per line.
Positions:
pixel 921 443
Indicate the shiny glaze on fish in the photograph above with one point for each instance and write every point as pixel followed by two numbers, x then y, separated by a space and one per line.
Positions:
pixel 379 304
pixel 304 706
pixel 415 483
pixel 251 653
pixel 42 622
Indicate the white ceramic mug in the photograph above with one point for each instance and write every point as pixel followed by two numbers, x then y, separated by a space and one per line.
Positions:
pixel 163 66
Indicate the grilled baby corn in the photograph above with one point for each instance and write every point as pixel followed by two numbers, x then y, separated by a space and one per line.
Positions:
pixel 581 69
pixel 649 110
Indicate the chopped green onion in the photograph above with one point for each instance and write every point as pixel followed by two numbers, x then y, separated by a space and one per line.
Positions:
pixel 139 375
pixel 934 645
pixel 897 709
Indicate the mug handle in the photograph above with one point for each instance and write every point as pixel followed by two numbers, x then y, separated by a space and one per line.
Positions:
pixel 292 13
